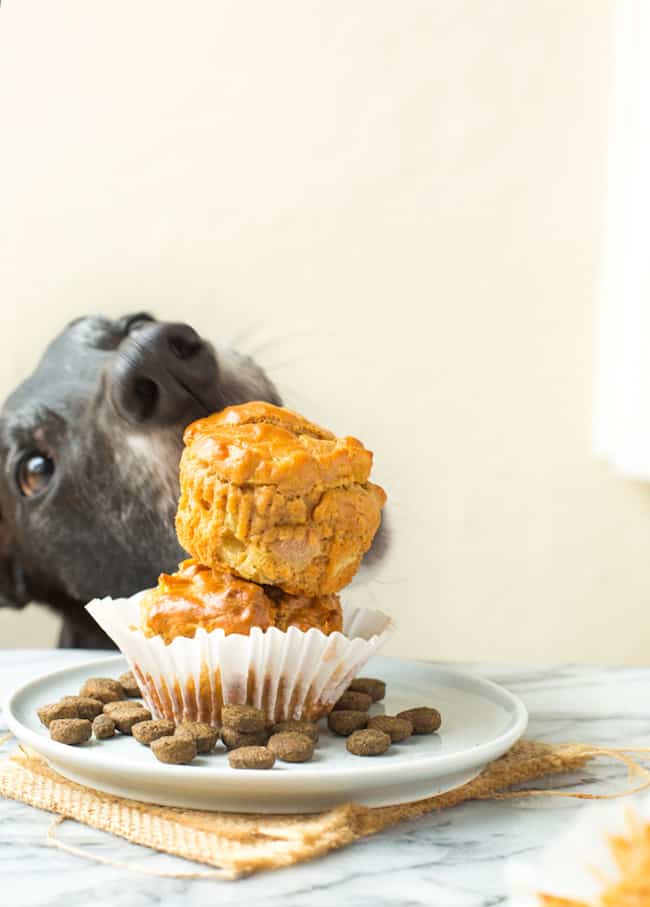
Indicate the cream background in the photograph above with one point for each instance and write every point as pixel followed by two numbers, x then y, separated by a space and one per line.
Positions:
pixel 397 206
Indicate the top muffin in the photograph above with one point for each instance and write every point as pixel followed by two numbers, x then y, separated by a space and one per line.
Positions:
pixel 276 499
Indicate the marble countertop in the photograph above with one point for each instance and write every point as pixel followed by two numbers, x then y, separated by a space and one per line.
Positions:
pixel 452 859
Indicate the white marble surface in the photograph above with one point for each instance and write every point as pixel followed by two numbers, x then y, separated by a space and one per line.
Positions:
pixel 453 859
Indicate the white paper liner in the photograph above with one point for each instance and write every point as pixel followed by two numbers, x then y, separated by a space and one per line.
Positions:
pixel 289 675
pixel 578 863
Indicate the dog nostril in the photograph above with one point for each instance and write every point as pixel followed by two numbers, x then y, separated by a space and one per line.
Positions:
pixel 145 392
pixel 182 347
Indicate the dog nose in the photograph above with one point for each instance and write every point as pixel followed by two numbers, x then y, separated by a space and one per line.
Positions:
pixel 161 371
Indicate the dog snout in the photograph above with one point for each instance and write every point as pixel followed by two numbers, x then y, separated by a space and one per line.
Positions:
pixel 161 373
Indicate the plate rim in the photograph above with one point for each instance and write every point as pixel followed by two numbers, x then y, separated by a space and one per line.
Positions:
pixel 473 756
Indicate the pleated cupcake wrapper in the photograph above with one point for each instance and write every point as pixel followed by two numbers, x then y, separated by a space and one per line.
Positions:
pixel 289 675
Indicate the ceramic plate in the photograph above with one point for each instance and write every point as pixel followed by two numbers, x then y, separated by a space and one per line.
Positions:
pixel 480 721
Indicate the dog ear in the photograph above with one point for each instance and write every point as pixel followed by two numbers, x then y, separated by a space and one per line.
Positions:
pixel 13 588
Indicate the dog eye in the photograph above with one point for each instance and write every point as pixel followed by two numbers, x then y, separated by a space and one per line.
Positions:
pixel 34 473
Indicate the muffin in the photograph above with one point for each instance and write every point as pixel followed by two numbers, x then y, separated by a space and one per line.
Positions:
pixel 276 499
pixel 199 596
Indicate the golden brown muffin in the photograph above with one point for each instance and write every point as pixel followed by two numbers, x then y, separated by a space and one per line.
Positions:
pixel 276 499
pixel 197 596
pixel 322 612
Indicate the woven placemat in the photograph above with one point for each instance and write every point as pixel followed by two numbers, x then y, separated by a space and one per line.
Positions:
pixel 239 844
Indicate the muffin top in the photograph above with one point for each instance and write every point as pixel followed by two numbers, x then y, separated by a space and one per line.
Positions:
pixel 262 444
pixel 198 596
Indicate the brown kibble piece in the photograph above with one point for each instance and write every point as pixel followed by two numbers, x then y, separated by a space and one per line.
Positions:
pixel 245 718
pixel 205 735
pixel 398 729
pixel 309 728
pixel 423 719
pixel 122 705
pixel 54 711
pixel 376 689
pixel 344 721
pixel 85 706
pixel 103 727
pixel 103 688
pixel 251 757
pixel 234 739
pixel 356 702
pixel 129 715
pixel 129 684
pixel 174 750
pixel 368 743
pixel 145 732
pixel 290 746
pixel 70 730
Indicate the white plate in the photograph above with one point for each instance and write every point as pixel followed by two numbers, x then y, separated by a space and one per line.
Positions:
pixel 480 721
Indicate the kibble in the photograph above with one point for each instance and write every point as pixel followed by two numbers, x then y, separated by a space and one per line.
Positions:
pixel 129 715
pixel 345 721
pixel 145 732
pixel 205 735
pixel 235 739
pixel 174 750
pixel 122 705
pixel 251 757
pixel 70 730
pixel 244 718
pixel 398 729
pixel 423 719
pixel 290 746
pixel 301 727
pixel 103 727
pixel 55 711
pixel 103 688
pixel 376 689
pixel 368 743
pixel 129 684
pixel 356 702
pixel 85 706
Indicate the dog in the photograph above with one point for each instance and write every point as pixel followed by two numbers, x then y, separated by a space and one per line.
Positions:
pixel 90 445
pixel 89 449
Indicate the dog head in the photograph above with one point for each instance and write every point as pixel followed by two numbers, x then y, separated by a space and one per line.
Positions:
pixel 89 451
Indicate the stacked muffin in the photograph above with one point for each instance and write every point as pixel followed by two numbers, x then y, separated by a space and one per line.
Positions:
pixel 276 513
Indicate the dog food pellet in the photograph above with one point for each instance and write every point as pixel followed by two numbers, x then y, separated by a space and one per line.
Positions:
pixel 357 702
pixel 122 705
pixel 235 739
pixel 423 719
pixel 174 750
pixel 103 688
pixel 370 685
pixel 251 757
pixel 243 718
pixel 368 743
pixel 397 728
pixel 70 730
pixel 290 746
pixel 129 684
pixel 301 727
pixel 54 711
pixel 103 727
pixel 344 721
pixel 205 736
pixel 129 715
pixel 85 706
pixel 146 732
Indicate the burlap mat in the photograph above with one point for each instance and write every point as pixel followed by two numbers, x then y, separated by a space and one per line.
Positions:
pixel 240 844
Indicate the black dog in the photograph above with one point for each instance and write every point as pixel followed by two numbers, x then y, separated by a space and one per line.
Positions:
pixel 89 451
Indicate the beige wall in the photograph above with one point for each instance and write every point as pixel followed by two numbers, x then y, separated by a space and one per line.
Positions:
pixel 397 206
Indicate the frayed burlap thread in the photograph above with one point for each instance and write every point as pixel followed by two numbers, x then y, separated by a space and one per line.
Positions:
pixel 239 844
